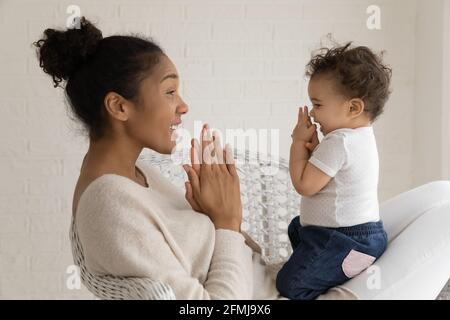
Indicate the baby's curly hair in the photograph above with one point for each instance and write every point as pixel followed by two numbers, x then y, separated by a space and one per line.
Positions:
pixel 360 73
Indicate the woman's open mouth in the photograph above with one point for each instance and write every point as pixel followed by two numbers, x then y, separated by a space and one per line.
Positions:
pixel 173 131
pixel 175 126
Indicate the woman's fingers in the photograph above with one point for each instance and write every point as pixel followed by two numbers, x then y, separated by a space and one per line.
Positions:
pixel 205 139
pixel 207 147
pixel 203 136
pixel 229 159
pixel 195 155
pixel 193 179
pixel 212 154
pixel 218 151
pixel 190 197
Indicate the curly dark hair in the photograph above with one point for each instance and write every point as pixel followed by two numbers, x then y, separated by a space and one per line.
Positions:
pixel 90 66
pixel 359 72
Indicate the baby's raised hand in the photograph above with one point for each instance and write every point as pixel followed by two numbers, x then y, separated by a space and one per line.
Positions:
pixel 304 130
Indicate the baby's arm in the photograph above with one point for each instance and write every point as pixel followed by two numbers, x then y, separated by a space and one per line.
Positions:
pixel 306 178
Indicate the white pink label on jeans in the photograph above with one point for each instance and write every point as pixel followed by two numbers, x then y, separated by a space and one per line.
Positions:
pixel 356 262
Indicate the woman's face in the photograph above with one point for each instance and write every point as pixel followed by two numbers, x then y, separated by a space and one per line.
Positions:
pixel 159 108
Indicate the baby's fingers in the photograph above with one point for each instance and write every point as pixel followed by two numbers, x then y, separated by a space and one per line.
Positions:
pixel 313 128
pixel 300 115
pixel 308 122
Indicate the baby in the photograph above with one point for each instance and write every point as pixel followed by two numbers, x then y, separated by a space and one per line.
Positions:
pixel 339 232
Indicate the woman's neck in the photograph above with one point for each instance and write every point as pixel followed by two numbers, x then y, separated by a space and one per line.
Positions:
pixel 112 154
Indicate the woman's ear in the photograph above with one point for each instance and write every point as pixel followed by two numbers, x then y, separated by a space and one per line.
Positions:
pixel 356 107
pixel 116 106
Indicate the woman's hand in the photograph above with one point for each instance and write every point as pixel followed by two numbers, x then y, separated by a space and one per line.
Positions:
pixel 213 186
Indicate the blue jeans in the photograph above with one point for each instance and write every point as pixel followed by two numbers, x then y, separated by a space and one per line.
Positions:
pixel 323 258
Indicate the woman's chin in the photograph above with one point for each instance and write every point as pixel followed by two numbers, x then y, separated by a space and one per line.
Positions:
pixel 164 149
pixel 172 147
pixel 169 149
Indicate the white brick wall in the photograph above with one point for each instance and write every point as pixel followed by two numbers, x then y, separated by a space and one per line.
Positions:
pixel 241 63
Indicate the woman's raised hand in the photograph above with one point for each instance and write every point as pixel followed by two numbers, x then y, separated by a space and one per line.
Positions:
pixel 213 186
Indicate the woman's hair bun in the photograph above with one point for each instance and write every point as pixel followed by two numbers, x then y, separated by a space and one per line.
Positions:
pixel 61 53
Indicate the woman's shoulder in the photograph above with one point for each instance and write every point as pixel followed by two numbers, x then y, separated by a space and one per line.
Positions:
pixel 107 194
pixel 101 186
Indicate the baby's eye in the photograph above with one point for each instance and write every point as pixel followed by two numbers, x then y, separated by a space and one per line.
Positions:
pixel 171 93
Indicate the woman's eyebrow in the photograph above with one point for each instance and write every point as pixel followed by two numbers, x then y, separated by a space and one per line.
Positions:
pixel 315 99
pixel 170 76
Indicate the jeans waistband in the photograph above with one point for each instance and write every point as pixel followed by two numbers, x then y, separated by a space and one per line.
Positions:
pixel 363 229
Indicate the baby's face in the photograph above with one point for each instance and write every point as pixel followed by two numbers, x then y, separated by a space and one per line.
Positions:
pixel 330 108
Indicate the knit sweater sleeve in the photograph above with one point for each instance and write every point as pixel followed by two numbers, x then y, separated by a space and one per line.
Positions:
pixel 119 237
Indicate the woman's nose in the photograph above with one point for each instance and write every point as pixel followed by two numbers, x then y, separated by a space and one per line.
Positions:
pixel 182 107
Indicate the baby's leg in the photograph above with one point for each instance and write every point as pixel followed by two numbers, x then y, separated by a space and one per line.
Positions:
pixel 326 257
pixel 305 276
pixel 293 232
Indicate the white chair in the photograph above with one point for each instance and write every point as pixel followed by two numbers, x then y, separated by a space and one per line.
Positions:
pixel 269 203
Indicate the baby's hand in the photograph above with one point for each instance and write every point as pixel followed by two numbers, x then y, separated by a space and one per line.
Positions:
pixel 314 142
pixel 304 130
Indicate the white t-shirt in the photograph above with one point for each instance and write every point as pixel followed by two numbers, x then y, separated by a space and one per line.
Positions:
pixel 350 157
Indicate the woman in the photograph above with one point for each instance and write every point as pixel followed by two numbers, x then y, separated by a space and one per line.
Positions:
pixel 130 220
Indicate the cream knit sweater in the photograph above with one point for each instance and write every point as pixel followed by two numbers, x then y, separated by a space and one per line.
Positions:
pixel 128 230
